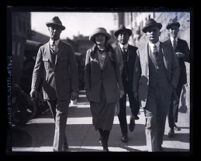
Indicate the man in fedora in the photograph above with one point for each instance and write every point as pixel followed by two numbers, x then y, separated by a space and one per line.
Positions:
pixel 156 76
pixel 126 55
pixel 182 52
pixel 56 71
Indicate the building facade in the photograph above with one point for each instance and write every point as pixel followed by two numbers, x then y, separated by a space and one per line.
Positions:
pixel 21 30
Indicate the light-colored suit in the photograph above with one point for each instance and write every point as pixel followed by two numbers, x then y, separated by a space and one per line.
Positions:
pixel 154 87
pixel 141 76
pixel 58 79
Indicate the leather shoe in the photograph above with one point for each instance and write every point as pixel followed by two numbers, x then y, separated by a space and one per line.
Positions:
pixel 160 149
pixel 137 118
pixel 132 124
pixel 124 139
pixel 100 142
pixel 171 133
pixel 105 149
pixel 177 128
pixel 65 147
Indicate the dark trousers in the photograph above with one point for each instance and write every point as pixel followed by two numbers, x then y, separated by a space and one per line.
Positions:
pixel 174 107
pixel 156 111
pixel 59 112
pixel 134 106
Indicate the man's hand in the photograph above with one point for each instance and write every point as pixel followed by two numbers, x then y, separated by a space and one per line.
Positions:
pixel 74 95
pixel 180 55
pixel 34 94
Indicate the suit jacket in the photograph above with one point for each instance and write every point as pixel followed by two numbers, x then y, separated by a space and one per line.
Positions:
pixel 59 78
pixel 182 47
pixel 141 79
pixel 97 78
pixel 131 61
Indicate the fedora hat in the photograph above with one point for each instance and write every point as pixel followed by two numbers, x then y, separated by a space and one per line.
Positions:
pixel 97 31
pixel 173 22
pixel 122 28
pixel 55 21
pixel 151 23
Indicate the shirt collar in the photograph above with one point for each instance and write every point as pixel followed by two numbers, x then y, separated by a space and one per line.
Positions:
pixel 56 42
pixel 172 39
pixel 123 46
pixel 152 45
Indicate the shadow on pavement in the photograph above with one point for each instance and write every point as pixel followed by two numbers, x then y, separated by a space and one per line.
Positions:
pixel 178 137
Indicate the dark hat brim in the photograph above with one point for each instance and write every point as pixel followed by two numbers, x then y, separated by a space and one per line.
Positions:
pixel 92 38
pixel 55 24
pixel 159 25
pixel 116 33
pixel 173 24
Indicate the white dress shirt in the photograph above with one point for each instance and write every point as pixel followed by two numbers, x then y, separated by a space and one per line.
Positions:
pixel 124 47
pixel 151 45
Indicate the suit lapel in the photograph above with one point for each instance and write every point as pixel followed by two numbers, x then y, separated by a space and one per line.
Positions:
pixel 144 51
pixel 165 55
pixel 58 53
pixel 48 54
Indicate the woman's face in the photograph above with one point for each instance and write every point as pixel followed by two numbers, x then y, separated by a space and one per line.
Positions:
pixel 100 39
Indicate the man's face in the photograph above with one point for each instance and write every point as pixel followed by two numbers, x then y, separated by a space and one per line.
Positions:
pixel 55 32
pixel 123 38
pixel 173 31
pixel 100 39
pixel 153 34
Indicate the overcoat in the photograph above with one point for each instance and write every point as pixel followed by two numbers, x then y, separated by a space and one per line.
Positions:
pixel 109 77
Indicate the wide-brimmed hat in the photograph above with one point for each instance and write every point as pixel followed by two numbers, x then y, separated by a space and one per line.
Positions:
pixel 151 23
pixel 55 21
pixel 97 31
pixel 173 22
pixel 122 28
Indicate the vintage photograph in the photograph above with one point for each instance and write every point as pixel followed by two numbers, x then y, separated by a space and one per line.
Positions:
pixel 85 81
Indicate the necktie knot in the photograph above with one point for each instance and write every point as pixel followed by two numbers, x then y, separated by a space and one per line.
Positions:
pixel 155 49
pixel 124 50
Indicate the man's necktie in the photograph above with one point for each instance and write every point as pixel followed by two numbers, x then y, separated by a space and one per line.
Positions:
pixel 125 54
pixel 53 50
pixel 53 47
pixel 174 44
pixel 155 50
pixel 156 54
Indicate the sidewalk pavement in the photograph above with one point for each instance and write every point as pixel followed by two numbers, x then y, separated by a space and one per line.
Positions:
pixel 37 134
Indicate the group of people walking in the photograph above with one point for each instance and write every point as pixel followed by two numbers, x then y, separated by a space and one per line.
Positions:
pixel 150 76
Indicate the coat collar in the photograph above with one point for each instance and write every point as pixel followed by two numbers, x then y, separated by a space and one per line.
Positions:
pixel 48 53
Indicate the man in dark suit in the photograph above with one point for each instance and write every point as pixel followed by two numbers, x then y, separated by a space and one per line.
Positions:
pixel 182 52
pixel 126 55
pixel 156 76
pixel 56 70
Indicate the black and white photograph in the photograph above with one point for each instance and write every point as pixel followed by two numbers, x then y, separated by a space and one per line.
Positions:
pixel 99 81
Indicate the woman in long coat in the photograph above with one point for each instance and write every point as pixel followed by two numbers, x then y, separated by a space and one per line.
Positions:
pixel 102 83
